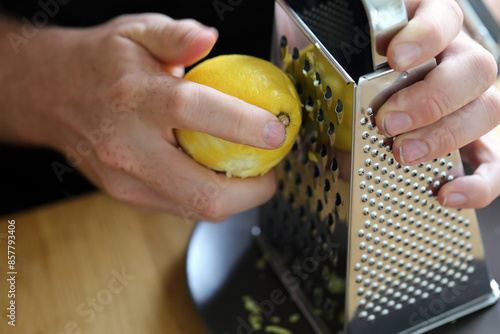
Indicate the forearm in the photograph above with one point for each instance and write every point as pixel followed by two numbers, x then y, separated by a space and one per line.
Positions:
pixel 28 81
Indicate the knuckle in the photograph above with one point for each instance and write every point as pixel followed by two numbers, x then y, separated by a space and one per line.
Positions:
pixel 120 90
pixel 114 157
pixel 492 103
pixel 125 19
pixel 494 95
pixel 207 202
pixel 180 30
pixel 240 125
pixel 436 106
pixel 485 199
pixel 209 208
pixel 433 29
pixel 129 93
pixel 449 137
pixel 189 22
pixel 183 101
pixel 130 24
pixel 443 139
pixel 455 9
pixel 484 64
pixel 120 20
pixel 485 195
pixel 119 28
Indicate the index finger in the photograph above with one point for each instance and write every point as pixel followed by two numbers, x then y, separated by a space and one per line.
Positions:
pixel 201 108
pixel 433 25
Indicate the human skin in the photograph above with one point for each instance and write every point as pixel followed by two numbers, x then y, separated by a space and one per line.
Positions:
pixel 453 107
pixel 494 7
pixel 123 79
pixel 113 94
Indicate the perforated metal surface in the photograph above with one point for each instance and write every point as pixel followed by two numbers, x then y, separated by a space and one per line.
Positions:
pixel 406 251
pixel 342 28
pixel 359 240
pixel 331 21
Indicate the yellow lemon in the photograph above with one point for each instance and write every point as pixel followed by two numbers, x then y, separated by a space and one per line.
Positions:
pixel 255 81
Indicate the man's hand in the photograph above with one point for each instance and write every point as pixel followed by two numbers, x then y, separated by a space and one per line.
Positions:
pixel 453 106
pixel 109 97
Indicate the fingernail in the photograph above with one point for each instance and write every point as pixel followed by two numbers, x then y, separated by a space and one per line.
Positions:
pixel 454 199
pixel 274 134
pixel 412 150
pixel 406 54
pixel 396 123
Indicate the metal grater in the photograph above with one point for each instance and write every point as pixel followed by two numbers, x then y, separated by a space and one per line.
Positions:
pixel 360 241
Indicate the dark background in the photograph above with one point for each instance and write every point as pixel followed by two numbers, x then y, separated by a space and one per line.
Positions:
pixel 26 175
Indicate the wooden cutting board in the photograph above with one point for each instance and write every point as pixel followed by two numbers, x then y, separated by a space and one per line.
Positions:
pixel 94 265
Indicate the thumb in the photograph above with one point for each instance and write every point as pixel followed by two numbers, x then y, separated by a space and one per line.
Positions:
pixel 175 42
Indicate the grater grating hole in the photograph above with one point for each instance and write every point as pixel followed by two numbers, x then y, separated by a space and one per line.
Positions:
pixel 321 116
pixel 305 159
pixel 338 200
pixel 317 80
pixel 283 42
pixel 331 129
pixel 307 67
pixel 339 108
pixel 281 185
pixel 433 225
pixel 408 249
pixel 316 172
pixel 309 103
pixel 328 93
pixel 298 87
pixel 312 138
pixel 327 186
pixel 302 211
pixel 323 151
pixel 309 191
pixel 319 206
pixel 330 220
pixel 298 179
pixel 288 166
pixel 334 166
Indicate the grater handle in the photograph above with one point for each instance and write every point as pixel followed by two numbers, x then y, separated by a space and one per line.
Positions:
pixel 385 18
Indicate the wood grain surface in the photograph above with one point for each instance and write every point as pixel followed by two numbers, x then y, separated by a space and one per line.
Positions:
pixel 94 265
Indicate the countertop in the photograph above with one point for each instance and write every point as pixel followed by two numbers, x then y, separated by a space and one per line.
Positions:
pixel 94 265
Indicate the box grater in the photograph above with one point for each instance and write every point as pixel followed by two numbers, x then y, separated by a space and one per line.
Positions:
pixel 360 241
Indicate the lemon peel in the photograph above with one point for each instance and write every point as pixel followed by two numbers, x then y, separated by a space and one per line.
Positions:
pixel 255 81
